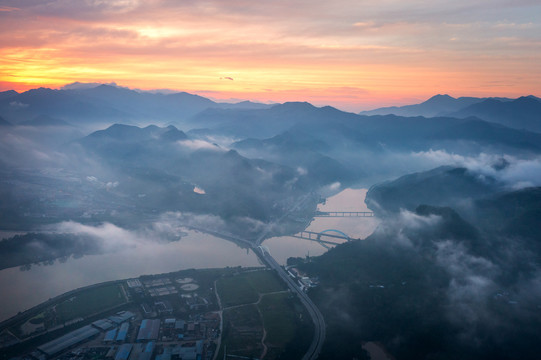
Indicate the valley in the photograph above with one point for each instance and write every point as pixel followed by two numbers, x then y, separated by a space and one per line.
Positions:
pixel 448 253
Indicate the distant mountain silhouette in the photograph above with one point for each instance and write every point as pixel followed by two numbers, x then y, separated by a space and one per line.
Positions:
pixel 57 103
pixel 245 105
pixel 265 123
pixel 438 105
pixel 80 104
pixel 286 125
pixel 7 94
pixel 146 105
pixel 522 113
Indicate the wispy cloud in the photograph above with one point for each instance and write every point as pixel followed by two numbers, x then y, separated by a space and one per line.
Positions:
pixel 8 8
pixel 394 49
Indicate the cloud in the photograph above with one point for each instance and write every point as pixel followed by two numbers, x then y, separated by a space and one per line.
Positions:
pixel 198 145
pixel 18 105
pixel 205 221
pixel 27 146
pixel 110 237
pixel 513 172
pixel 8 9
pixel 412 221
pixel 110 185
pixel 393 48
pixel 398 230
pixel 302 171
pixel 335 186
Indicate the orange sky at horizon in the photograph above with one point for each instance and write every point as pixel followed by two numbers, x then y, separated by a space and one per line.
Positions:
pixel 354 55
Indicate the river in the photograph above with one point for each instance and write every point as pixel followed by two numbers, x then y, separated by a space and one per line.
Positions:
pixel 24 289
pixel 284 247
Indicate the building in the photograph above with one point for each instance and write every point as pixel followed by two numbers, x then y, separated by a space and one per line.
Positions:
pixel 122 316
pixel 149 330
pixel 134 283
pixel 190 351
pixel 70 339
pixel 110 336
pixel 169 323
pixel 103 324
pixel 123 332
pixel 124 352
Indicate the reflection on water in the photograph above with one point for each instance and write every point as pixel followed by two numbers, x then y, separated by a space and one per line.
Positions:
pixel 24 289
pixel 284 247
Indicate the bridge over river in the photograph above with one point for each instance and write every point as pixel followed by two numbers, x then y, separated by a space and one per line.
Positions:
pixel 326 237
pixel 266 258
pixel 344 214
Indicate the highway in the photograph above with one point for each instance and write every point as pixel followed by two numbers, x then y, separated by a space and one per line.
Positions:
pixel 317 318
pixel 315 314
pixel 319 323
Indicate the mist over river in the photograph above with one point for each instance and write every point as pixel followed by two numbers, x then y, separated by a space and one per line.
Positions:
pixel 23 289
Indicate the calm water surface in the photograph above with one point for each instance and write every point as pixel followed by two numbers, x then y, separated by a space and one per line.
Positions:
pixel 23 289
pixel 284 247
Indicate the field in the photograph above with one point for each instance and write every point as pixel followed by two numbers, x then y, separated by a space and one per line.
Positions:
pixel 243 331
pixel 246 287
pixel 89 301
pixel 257 303
pixel 279 318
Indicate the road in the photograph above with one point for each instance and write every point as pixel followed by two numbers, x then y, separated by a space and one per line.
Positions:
pixel 315 314
pixel 266 258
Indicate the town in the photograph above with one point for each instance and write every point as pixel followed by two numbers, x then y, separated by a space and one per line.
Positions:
pixel 169 316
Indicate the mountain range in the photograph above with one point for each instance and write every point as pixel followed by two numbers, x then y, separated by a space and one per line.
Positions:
pixel 106 104
pixel 451 272
pixel 521 113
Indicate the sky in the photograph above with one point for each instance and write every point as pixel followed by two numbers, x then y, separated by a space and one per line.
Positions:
pixel 351 54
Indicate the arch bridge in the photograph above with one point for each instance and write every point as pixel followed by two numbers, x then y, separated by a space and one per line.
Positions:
pixel 325 237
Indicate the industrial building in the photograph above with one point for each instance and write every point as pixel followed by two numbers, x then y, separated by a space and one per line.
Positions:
pixel 123 332
pixel 149 330
pixel 124 352
pixel 142 351
pixel 110 336
pixel 103 324
pixel 122 316
pixel 64 342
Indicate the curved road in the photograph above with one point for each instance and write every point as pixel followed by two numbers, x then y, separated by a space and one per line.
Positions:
pixel 315 314
pixel 266 258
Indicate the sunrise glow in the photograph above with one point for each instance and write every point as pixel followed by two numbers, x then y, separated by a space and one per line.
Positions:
pixel 349 54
